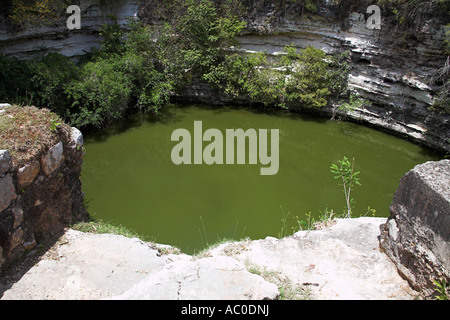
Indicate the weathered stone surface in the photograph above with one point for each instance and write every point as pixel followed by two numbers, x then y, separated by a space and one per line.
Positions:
pixel 27 174
pixel 342 262
pixel 417 234
pixel 45 202
pixel 16 238
pixel 3 106
pixel 76 136
pixel 29 244
pixel 5 161
pixel 18 216
pixel 51 161
pixel 56 38
pixel 7 191
pixel 89 266
pixel 215 278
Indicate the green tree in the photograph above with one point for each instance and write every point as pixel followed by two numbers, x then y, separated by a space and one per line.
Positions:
pixel 309 79
pixel 204 36
pixel 344 171
pixel 112 38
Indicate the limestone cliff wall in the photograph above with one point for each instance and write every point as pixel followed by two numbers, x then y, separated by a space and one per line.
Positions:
pixel 39 39
pixel 390 69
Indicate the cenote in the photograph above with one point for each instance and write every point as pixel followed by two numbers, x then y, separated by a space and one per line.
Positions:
pixel 129 178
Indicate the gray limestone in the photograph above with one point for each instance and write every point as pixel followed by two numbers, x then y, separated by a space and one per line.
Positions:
pixel 340 262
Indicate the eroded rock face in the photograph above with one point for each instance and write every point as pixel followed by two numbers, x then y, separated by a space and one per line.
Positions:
pixel 417 234
pixel 58 38
pixel 52 159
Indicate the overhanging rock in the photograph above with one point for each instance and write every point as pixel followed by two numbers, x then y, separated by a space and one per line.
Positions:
pixel 416 236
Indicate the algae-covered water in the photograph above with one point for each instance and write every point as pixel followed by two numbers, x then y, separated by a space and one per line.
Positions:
pixel 129 177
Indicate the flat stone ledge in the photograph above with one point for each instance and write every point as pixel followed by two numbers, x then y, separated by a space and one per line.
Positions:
pixel 341 262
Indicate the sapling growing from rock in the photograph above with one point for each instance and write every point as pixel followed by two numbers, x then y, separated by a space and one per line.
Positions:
pixel 344 170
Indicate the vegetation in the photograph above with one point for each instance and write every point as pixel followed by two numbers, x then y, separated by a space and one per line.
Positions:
pixel 355 102
pixel 37 130
pixel 412 14
pixel 345 171
pixel 34 12
pixel 299 79
pixel 102 227
pixel 288 290
pixel 141 70
pixel 441 289
pixel 441 101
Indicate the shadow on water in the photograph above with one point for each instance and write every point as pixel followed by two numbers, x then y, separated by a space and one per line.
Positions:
pixel 166 116
pixel 300 114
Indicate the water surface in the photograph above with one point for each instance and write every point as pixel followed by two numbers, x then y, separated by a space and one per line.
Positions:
pixel 129 178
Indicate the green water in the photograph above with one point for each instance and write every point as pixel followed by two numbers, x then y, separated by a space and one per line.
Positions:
pixel 129 178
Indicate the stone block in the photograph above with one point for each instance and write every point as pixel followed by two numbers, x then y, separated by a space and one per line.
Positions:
pixel 27 174
pixel 7 191
pixel 76 137
pixel 52 159
pixel 5 161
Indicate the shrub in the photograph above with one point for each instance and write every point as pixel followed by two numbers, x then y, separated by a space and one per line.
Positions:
pixel 112 42
pixel 39 81
pixel 109 87
pixel 50 77
pixel 101 95
pixel 15 84
pixel 302 78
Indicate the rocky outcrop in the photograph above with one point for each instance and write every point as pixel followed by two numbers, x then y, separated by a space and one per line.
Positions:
pixel 40 197
pixel 340 262
pixel 417 234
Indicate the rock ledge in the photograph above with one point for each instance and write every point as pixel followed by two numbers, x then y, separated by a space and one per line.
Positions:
pixel 341 262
